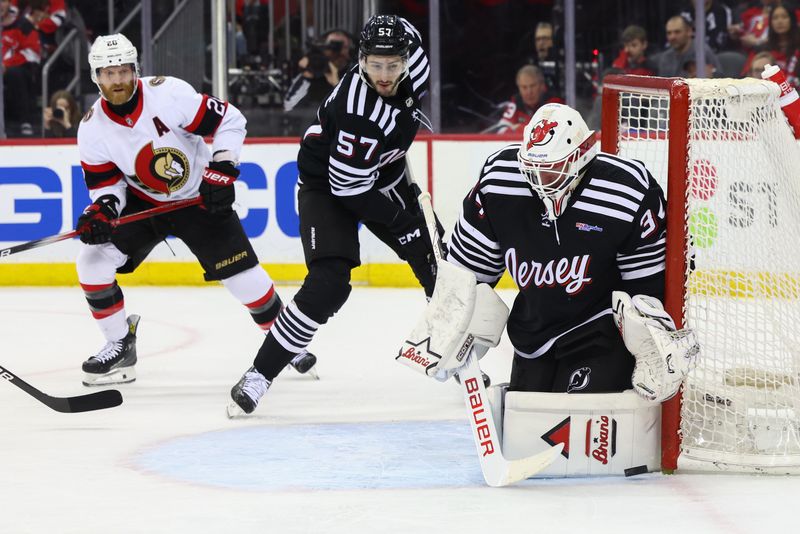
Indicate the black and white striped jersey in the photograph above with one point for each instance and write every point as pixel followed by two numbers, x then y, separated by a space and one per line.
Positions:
pixel 611 236
pixel 359 139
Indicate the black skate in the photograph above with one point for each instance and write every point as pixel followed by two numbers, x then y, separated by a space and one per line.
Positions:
pixel 304 363
pixel 114 363
pixel 247 392
pixel 486 380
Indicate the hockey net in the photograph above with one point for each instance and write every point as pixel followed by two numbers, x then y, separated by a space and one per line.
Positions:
pixel 729 164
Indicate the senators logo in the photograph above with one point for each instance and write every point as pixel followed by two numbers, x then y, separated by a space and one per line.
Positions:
pixel 158 80
pixel 161 170
pixel 541 133
pixel 88 114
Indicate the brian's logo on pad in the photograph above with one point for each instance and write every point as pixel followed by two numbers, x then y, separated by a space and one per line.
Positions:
pixel 601 438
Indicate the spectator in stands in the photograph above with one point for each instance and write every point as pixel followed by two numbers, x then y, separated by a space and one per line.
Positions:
pixel 633 58
pixel 760 60
pixel 532 93
pixel 49 25
pixel 321 69
pixel 21 51
pixel 752 30
pixel 62 116
pixel 546 56
pixel 672 61
pixel 719 18
pixel 783 42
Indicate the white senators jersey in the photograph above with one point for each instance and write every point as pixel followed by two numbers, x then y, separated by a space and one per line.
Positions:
pixel 157 151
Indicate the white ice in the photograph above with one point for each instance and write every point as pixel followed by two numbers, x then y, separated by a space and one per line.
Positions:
pixel 371 447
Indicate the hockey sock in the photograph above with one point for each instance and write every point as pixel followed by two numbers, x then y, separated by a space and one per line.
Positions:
pixel 255 290
pixel 107 304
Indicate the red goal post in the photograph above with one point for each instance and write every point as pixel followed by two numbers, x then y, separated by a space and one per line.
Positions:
pixel 733 260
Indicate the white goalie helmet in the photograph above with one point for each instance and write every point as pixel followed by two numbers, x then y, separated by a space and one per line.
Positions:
pixel 110 51
pixel 556 148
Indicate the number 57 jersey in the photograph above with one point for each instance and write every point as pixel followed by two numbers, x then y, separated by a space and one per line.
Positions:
pixel 156 151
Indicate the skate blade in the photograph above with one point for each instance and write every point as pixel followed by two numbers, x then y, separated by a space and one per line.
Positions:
pixel 123 375
pixel 234 412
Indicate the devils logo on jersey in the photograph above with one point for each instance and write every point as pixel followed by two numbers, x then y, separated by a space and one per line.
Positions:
pixel 162 170
pixel 541 133
pixel 579 379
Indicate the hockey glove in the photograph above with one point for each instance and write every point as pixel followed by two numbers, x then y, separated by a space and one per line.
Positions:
pixel 217 186
pixel 412 234
pixel 94 224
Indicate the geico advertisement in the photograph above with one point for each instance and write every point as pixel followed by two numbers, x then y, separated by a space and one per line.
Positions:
pixel 42 193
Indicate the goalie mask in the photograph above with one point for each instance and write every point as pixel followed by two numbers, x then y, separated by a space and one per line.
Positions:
pixel 383 53
pixel 114 51
pixel 556 148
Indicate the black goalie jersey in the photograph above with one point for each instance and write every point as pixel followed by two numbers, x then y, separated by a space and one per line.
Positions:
pixel 359 139
pixel 611 237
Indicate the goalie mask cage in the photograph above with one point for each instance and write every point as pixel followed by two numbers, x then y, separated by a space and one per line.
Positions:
pixel 730 167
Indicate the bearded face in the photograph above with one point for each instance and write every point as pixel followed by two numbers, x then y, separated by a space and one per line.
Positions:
pixel 117 83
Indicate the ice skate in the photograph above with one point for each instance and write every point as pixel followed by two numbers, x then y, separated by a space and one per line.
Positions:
pixel 247 392
pixel 114 364
pixel 304 363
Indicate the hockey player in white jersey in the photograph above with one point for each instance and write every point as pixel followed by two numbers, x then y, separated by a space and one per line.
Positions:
pixel 141 145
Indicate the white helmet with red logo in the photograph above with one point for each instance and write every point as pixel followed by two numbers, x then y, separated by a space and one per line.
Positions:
pixel 556 148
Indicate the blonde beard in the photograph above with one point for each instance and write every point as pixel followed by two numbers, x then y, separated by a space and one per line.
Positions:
pixel 119 98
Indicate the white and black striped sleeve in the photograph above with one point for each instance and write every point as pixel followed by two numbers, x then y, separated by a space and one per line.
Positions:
pixel 643 254
pixel 473 244
pixel 419 68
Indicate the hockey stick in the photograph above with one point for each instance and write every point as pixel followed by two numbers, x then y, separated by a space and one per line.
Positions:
pixel 497 470
pixel 82 403
pixel 158 210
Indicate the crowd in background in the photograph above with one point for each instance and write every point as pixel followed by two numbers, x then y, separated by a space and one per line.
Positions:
pixel 501 59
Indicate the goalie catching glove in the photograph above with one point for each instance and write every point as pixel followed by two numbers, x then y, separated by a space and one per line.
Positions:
pixel 664 355
pixel 461 316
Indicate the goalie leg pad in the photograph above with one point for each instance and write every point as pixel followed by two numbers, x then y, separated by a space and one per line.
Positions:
pixel 603 433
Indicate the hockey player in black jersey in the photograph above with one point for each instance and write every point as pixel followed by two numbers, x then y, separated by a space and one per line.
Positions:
pixel 572 225
pixel 352 169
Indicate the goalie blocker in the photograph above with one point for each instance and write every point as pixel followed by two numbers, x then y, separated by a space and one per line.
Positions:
pixel 460 316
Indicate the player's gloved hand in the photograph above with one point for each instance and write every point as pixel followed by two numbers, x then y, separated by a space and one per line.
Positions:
pixel 410 230
pixel 94 224
pixel 217 186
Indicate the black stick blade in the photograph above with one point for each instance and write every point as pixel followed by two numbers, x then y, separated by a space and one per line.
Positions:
pixel 95 401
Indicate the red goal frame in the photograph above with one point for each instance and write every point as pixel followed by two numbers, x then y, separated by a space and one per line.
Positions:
pixel 677 175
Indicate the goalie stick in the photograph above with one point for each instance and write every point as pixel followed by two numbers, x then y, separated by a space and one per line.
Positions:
pixel 82 403
pixel 152 212
pixel 497 470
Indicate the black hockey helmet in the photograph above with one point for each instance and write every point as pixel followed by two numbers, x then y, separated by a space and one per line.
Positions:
pixel 384 35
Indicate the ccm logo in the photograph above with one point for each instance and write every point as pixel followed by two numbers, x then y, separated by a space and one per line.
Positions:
pixel 411 236
pixel 216 178
pixel 478 417
pixel 5 375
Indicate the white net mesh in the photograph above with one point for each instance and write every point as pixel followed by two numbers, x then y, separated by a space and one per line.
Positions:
pixel 741 404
